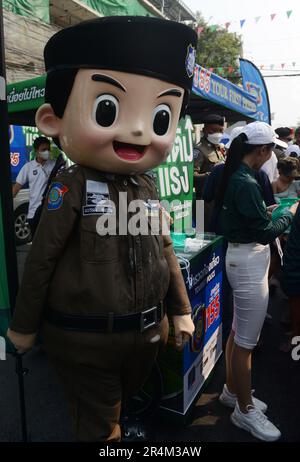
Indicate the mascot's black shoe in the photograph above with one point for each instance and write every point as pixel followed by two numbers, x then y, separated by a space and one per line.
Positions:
pixel 134 429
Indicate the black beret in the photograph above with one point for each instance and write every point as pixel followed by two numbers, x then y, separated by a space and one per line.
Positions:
pixel 214 119
pixel 283 132
pixel 153 47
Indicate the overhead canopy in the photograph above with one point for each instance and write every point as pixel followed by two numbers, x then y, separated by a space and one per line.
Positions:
pixel 211 94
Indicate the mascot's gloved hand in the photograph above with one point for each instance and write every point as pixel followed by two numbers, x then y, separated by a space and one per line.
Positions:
pixel 22 342
pixel 184 328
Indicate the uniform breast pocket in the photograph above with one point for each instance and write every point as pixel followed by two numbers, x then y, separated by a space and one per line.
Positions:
pixel 99 248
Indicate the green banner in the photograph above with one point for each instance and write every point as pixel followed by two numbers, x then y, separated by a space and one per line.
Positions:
pixel 118 7
pixel 26 95
pixel 175 177
pixel 36 9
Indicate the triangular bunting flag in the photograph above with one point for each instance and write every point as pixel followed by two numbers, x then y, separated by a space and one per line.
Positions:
pixel 257 19
pixel 227 24
pixel 289 13
pixel 273 16
pixel 211 69
pixel 294 64
pixel 200 30
pixel 214 27
pixel 261 67
pixel 230 70
pixel 242 22
pixel 282 65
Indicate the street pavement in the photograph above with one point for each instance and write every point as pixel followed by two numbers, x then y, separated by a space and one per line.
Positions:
pixel 276 379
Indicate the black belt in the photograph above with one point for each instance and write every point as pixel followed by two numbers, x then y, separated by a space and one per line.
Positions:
pixel 111 323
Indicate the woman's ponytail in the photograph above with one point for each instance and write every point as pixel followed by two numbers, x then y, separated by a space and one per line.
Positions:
pixel 238 149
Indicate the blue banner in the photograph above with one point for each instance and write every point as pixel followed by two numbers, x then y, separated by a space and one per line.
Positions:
pixel 203 281
pixel 220 91
pixel 19 152
pixel 254 83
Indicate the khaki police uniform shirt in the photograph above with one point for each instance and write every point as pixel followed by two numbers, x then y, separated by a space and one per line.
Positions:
pixel 71 268
pixel 209 155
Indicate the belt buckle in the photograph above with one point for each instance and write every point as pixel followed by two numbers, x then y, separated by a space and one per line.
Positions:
pixel 146 324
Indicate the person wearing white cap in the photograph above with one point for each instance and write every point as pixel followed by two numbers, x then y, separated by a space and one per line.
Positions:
pixel 292 151
pixel 249 230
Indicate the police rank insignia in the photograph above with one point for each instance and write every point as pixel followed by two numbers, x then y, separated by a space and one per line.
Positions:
pixel 190 60
pixel 56 195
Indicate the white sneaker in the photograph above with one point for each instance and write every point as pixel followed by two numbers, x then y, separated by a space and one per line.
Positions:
pixel 229 399
pixel 255 422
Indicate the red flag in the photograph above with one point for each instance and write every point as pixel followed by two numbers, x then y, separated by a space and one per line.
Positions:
pixel 227 24
pixel 200 30
pixel 273 16
pixel 230 70
pixel 282 65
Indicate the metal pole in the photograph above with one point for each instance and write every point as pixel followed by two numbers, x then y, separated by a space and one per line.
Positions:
pixel 5 179
pixel 8 215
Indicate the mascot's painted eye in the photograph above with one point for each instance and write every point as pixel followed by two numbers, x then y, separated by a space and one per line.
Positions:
pixel 106 110
pixel 161 119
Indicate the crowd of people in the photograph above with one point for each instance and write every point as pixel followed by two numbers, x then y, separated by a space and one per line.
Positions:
pixel 243 184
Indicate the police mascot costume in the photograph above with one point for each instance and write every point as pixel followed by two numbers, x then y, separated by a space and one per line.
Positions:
pixel 116 88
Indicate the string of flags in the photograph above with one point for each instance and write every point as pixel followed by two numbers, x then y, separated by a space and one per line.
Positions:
pixel 242 22
pixel 235 71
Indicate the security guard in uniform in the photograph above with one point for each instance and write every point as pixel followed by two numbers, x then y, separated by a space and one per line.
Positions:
pixel 209 153
pixel 115 89
pixel 210 150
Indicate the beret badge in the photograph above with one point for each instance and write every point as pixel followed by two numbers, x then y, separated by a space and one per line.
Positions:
pixel 190 60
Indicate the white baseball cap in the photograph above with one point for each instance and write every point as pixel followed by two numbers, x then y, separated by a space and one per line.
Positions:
pixel 235 132
pixel 260 133
pixel 294 148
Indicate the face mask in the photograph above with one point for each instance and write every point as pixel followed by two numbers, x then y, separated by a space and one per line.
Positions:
pixel 45 155
pixel 215 138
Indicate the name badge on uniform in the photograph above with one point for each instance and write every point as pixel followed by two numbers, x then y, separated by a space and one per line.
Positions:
pixel 97 198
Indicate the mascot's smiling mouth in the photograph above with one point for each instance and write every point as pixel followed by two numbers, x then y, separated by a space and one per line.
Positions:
pixel 128 151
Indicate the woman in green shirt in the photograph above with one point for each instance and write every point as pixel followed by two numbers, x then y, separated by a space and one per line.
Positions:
pixel 247 226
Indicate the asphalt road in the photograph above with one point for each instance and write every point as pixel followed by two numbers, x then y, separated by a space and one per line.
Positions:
pixel 276 378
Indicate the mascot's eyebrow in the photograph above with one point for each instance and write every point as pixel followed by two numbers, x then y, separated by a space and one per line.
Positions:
pixel 171 92
pixel 107 79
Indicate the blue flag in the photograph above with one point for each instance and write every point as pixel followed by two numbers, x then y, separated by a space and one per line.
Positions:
pixel 253 82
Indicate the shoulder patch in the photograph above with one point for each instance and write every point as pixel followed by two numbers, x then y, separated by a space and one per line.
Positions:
pixel 56 195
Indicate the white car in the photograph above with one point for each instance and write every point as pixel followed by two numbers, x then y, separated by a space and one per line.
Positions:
pixel 22 229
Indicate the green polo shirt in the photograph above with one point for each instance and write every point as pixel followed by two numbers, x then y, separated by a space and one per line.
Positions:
pixel 244 216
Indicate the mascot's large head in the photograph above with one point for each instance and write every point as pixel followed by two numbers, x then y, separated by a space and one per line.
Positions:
pixel 115 90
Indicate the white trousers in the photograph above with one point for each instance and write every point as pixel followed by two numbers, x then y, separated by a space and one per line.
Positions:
pixel 247 267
